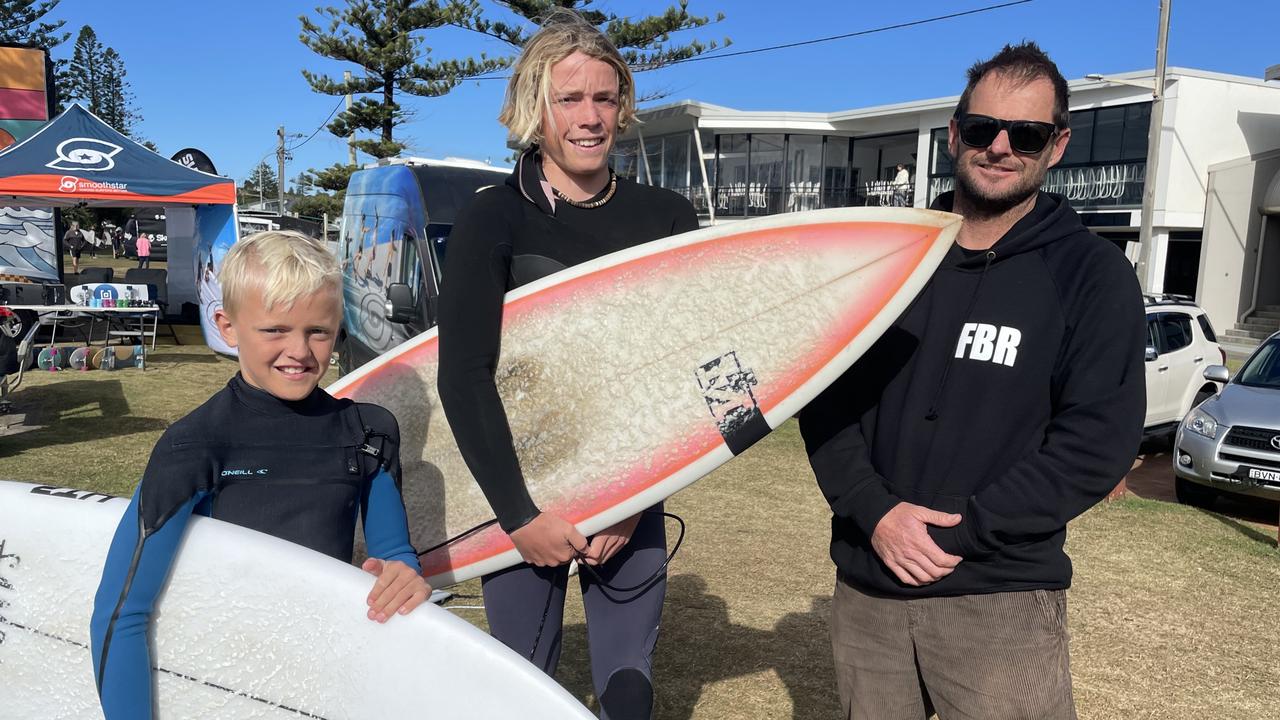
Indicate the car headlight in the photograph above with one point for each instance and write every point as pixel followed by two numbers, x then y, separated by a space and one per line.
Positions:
pixel 1202 423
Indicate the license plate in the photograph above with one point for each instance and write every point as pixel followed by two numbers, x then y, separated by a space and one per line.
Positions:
pixel 1269 475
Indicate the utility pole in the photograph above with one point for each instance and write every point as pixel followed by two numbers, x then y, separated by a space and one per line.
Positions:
pixel 280 172
pixel 351 149
pixel 1145 239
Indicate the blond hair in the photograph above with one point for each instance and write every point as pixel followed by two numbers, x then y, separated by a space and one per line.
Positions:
pixel 284 265
pixel 563 33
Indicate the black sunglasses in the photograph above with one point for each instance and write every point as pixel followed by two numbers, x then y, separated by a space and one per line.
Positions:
pixel 1025 136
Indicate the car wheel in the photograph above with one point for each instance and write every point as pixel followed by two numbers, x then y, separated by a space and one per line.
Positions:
pixel 1194 494
pixel 1201 397
pixel 344 358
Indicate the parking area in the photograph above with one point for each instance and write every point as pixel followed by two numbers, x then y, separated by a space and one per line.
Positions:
pixel 1152 479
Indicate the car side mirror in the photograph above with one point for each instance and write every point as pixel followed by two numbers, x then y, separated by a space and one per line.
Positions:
pixel 1151 354
pixel 1217 373
pixel 400 306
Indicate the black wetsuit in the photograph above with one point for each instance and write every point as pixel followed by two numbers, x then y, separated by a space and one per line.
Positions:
pixel 511 235
pixel 296 470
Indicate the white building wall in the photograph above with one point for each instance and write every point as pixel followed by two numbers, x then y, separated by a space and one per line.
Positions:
pixel 1208 122
pixel 1232 231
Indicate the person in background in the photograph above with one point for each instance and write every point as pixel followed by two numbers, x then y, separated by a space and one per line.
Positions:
pixel 74 241
pixel 144 250
pixel 901 187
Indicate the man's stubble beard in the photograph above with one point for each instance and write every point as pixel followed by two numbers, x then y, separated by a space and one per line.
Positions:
pixel 989 206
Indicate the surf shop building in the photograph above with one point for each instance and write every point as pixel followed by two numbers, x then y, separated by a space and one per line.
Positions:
pixel 734 164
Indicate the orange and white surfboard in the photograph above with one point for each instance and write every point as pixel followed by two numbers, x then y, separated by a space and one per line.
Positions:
pixel 627 378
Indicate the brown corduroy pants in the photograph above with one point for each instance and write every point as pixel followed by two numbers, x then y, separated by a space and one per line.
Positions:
pixel 1002 656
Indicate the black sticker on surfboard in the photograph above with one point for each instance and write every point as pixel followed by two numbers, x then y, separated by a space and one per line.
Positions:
pixel 72 493
pixel 726 387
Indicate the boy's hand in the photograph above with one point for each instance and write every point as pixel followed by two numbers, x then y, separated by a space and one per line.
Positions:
pixel 398 589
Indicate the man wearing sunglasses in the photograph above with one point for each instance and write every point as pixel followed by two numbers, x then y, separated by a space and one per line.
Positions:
pixel 1007 400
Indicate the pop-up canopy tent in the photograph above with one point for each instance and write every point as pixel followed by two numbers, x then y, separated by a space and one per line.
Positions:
pixel 77 159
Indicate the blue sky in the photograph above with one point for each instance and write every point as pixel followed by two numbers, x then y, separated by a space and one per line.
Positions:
pixel 222 76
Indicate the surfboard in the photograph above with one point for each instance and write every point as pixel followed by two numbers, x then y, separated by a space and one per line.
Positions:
pixel 249 626
pixel 80 358
pixel 81 294
pixel 53 357
pixel 631 376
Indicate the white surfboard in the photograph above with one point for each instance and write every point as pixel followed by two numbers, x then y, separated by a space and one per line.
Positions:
pixel 249 626
pixel 629 377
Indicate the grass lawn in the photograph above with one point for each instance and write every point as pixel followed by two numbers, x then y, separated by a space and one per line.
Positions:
pixel 1173 612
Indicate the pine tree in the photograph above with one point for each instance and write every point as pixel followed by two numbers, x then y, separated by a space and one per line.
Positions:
pixel 261 185
pixel 118 102
pixel 645 43
pixel 384 39
pixel 97 79
pixel 19 24
pixel 86 71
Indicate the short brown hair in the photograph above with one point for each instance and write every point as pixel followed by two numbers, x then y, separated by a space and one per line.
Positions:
pixel 1022 63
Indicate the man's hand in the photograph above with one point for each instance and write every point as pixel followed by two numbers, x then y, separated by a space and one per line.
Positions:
pixel 902 541
pixel 606 543
pixel 399 588
pixel 548 540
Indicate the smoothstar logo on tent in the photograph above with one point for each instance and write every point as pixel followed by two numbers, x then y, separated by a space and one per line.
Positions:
pixel 85 155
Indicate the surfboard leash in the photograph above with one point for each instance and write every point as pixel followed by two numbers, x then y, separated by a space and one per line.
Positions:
pixel 583 567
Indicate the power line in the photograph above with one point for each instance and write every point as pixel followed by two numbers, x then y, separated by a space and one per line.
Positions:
pixel 830 38
pixel 859 33
pixel 321 126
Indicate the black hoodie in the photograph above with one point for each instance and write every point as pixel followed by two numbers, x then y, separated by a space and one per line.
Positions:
pixel 508 236
pixel 1011 391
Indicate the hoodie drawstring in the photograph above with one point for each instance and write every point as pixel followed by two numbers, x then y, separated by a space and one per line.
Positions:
pixel 968 313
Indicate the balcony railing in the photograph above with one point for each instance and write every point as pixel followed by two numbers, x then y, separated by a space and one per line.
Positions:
pixel 754 199
pixel 1115 185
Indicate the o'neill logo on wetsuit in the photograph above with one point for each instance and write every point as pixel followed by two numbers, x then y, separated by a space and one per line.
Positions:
pixel 237 473
pixel 85 155
pixel 989 343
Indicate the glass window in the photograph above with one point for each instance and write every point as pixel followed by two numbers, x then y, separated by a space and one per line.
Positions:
pixel 805 164
pixel 731 174
pixel 942 162
pixel 1108 134
pixel 410 270
pixel 767 160
pixel 625 159
pixel 1206 328
pixel 1153 335
pixel 1080 147
pixel 837 185
pixel 675 161
pixel 1177 331
pixel 1263 369
pixel 1137 124
pixel 708 159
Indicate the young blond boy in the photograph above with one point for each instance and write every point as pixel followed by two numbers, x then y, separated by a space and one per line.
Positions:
pixel 270 439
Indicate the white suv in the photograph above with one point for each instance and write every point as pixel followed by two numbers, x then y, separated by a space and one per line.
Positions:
pixel 1180 345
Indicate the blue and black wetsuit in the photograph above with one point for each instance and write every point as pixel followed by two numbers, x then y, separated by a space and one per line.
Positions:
pixel 297 470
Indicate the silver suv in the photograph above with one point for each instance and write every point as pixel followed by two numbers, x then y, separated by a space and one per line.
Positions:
pixel 1180 345
pixel 1232 442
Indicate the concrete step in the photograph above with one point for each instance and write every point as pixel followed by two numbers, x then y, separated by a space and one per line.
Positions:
pixel 1252 324
pixel 1238 334
pixel 1268 314
pixel 1269 308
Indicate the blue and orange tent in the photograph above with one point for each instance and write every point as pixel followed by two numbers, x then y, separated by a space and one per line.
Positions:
pixel 78 159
